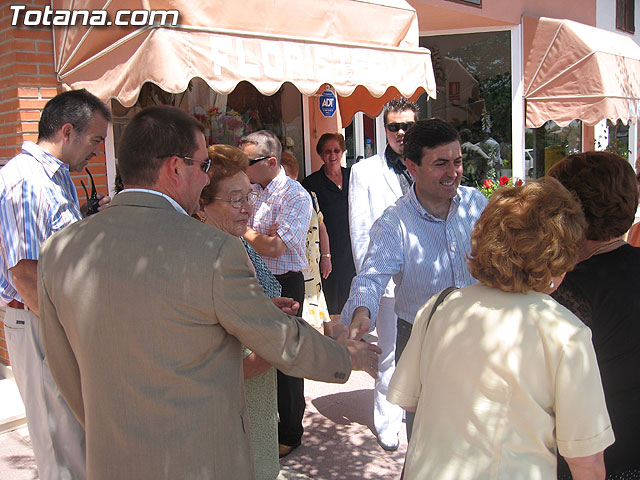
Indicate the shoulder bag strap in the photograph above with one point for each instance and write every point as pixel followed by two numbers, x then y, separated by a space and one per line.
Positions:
pixel 439 300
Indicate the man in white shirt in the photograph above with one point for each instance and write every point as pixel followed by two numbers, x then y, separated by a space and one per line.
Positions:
pixel 421 241
pixel 376 183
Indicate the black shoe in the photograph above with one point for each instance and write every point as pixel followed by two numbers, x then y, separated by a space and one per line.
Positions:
pixel 284 450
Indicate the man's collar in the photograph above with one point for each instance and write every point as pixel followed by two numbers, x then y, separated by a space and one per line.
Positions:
pixel 275 182
pixel 392 158
pixel 173 203
pixel 50 163
pixel 413 200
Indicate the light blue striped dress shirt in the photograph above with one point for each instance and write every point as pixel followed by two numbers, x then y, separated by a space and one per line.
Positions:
pixel 37 198
pixel 423 254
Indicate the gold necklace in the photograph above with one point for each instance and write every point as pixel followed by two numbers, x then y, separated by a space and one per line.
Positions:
pixel 605 246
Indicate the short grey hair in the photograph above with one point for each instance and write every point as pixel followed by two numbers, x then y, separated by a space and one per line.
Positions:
pixel 266 142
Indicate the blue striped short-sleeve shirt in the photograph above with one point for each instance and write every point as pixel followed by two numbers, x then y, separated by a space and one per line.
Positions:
pixel 37 198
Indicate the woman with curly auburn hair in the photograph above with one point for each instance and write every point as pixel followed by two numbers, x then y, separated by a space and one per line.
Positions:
pixel 499 373
pixel 602 292
pixel 531 237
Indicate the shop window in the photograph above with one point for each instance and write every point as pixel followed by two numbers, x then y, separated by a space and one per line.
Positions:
pixel 361 139
pixel 625 15
pixel 350 139
pixel 618 139
pixel 227 118
pixel 473 79
pixel 549 143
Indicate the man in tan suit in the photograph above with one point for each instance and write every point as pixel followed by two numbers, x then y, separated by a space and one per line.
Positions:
pixel 143 329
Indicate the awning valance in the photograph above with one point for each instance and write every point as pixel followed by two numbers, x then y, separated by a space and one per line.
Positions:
pixel 575 71
pixel 346 43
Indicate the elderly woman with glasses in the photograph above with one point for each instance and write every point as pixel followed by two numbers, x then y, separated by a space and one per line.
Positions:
pixel 227 203
pixel 501 375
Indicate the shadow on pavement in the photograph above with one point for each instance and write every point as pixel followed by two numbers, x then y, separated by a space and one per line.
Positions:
pixel 339 442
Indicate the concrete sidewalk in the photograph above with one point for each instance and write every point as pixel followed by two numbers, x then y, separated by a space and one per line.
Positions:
pixel 338 442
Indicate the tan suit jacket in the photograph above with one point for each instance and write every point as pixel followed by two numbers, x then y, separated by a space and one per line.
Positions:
pixel 143 313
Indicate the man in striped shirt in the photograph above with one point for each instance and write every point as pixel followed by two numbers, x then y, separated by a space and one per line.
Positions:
pixel 278 232
pixel 38 198
pixel 421 241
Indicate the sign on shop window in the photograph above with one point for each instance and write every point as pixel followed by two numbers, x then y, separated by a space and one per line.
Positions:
pixel 328 103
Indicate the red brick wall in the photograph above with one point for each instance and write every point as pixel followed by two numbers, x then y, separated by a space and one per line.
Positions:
pixel 27 81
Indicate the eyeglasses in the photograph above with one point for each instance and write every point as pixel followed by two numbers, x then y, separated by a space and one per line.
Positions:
pixel 259 159
pixel 237 201
pixel 328 151
pixel 396 127
pixel 205 164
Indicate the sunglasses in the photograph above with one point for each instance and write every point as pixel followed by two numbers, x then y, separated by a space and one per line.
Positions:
pixel 396 127
pixel 328 151
pixel 259 159
pixel 204 164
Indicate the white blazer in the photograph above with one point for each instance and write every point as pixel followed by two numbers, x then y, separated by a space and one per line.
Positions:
pixel 373 187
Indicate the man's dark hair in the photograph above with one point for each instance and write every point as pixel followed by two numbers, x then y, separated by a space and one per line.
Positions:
pixel 153 135
pixel 430 133
pixel 399 104
pixel 76 107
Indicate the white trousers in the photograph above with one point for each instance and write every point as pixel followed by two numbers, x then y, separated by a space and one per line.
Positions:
pixel 387 417
pixel 56 435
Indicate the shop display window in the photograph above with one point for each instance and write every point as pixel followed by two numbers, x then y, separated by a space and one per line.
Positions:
pixel 361 139
pixel 549 143
pixel 473 79
pixel 227 118
pixel 618 139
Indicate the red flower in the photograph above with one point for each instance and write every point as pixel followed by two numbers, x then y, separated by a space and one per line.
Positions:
pixel 504 180
pixel 487 183
pixel 518 182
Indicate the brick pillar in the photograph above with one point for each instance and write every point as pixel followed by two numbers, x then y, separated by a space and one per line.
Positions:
pixel 27 82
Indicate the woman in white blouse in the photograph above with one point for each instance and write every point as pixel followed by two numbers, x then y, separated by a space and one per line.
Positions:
pixel 504 375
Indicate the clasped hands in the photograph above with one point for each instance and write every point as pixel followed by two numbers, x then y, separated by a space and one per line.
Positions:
pixel 364 355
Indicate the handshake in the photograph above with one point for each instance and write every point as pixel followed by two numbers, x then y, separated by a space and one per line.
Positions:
pixel 364 356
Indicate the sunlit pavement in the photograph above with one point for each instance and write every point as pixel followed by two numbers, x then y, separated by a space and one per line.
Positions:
pixel 339 442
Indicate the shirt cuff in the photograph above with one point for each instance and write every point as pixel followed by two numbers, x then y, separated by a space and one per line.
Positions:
pixel 584 448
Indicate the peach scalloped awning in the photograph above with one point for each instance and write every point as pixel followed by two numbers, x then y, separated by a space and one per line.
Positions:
pixel 350 44
pixel 575 71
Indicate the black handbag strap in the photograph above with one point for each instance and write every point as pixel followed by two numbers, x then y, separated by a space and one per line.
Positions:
pixel 439 300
